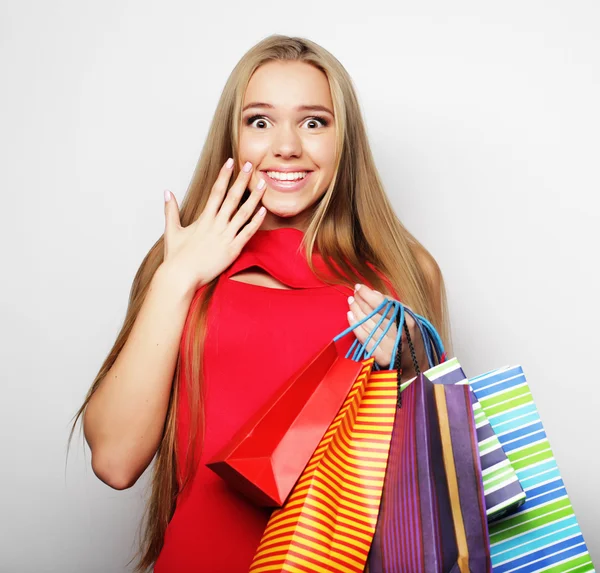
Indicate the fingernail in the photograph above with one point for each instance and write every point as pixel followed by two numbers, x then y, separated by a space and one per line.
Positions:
pixel 350 299
pixel 167 195
pixel 376 292
pixel 351 316
pixel 262 211
pixel 357 287
pixel 261 184
pixel 229 163
pixel 247 167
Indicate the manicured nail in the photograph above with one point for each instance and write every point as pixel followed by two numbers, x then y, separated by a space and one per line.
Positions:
pixel 376 292
pixel 167 195
pixel 247 167
pixel 261 184
pixel 350 299
pixel 229 163
pixel 357 287
pixel 351 316
pixel 262 211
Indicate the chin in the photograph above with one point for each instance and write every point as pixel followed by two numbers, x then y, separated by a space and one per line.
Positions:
pixel 283 208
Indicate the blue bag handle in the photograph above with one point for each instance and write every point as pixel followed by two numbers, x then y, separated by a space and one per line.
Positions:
pixel 435 338
pixel 434 347
pixel 400 324
pixel 363 350
pixel 358 351
pixel 430 349
pixel 362 321
pixel 398 316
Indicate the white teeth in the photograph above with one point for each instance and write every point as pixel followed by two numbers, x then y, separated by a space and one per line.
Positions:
pixel 280 176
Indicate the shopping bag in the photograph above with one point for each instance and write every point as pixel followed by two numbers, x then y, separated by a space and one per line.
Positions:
pixel 543 535
pixel 502 490
pixel 327 524
pixel 269 452
pixel 432 516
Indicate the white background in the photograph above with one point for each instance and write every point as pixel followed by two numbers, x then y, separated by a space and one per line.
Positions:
pixel 484 120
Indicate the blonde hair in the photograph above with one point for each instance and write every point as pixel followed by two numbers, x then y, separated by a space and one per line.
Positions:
pixel 354 227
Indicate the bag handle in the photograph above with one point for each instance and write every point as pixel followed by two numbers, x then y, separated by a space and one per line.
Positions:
pixel 432 342
pixel 359 351
pixel 431 347
pixel 361 348
pixel 434 346
pixel 433 336
pixel 353 327
pixel 395 306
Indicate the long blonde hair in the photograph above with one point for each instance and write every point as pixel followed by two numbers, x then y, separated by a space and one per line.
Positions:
pixel 354 227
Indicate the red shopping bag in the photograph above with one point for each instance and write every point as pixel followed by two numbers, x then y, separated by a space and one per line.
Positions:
pixel 269 453
pixel 328 521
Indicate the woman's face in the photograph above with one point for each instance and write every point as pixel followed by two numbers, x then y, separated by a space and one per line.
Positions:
pixel 288 134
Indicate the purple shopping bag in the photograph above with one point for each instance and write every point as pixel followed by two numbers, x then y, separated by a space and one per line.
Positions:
pixel 432 517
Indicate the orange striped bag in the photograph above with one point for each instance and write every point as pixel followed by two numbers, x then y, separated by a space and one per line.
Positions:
pixel 328 522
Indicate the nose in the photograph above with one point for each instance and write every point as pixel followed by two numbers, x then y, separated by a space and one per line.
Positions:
pixel 286 142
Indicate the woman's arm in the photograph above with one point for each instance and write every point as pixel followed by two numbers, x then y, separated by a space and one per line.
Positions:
pixel 124 420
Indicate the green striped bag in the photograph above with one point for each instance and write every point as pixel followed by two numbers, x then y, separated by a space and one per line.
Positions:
pixel 503 492
pixel 543 535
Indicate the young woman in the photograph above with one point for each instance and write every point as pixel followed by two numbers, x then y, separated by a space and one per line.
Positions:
pixel 284 237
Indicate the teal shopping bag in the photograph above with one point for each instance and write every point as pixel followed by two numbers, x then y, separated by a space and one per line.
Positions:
pixel 543 534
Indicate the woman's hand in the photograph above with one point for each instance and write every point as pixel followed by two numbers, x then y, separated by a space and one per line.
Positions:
pixel 365 301
pixel 205 248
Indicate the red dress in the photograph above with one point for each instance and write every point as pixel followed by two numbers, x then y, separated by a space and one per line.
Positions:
pixel 257 337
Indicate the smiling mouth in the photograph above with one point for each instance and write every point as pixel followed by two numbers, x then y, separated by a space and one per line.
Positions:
pixel 299 181
pixel 287 177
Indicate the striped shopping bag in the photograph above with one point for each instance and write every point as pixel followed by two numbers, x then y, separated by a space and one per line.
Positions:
pixel 432 517
pixel 543 535
pixel 327 523
pixel 503 492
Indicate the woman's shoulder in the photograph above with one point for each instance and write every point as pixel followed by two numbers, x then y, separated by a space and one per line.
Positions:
pixel 432 274
pixel 428 265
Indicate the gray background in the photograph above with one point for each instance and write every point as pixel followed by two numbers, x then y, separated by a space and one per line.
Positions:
pixel 484 120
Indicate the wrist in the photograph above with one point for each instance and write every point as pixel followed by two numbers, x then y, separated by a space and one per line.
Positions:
pixel 171 278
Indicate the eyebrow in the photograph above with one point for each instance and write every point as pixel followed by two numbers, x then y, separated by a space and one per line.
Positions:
pixel 299 108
